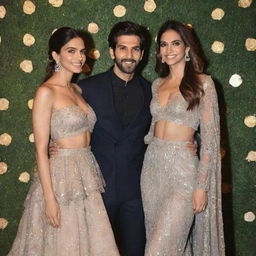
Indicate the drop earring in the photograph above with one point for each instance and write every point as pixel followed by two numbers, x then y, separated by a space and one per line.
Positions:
pixel 57 67
pixel 187 58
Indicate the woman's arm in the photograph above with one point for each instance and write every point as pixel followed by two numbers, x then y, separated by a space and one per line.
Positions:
pixel 209 129
pixel 41 117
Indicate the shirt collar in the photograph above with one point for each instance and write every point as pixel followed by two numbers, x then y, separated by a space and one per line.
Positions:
pixel 120 82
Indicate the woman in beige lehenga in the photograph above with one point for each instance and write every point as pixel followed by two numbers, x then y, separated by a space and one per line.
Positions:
pixel 64 212
pixel 181 194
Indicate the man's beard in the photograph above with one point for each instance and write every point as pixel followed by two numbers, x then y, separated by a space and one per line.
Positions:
pixel 128 69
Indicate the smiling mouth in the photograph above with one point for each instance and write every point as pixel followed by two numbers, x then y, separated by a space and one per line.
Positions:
pixel 77 64
pixel 170 56
pixel 128 61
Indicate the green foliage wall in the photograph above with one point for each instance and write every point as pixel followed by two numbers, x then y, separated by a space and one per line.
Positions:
pixel 236 103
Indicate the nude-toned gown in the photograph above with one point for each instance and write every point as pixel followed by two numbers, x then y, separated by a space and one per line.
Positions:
pixel 170 175
pixel 77 183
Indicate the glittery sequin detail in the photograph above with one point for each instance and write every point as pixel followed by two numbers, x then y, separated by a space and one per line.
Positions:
pixel 170 174
pixel 77 183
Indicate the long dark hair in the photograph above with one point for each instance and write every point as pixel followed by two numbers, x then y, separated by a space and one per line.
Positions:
pixel 58 39
pixel 191 87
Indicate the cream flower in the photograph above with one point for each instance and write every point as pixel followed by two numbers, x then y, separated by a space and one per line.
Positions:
pixel 217 47
pixel 4 104
pixel 249 216
pixel 29 7
pixel 235 80
pixel 149 5
pixel 3 223
pixel 31 138
pixel 3 167
pixel 190 25
pixel 86 68
pixel 93 28
pixel 119 11
pixel 94 54
pixel 250 121
pixel 250 44
pixel 244 3
pixel 2 12
pixel 24 177
pixel 26 66
pixel 28 39
pixel 30 103
pixel 251 157
pixel 54 30
pixel 56 3
pixel 217 14
pixel 226 188
pixel 5 139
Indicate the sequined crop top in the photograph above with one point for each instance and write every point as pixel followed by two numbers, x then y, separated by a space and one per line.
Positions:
pixel 175 110
pixel 206 115
pixel 70 121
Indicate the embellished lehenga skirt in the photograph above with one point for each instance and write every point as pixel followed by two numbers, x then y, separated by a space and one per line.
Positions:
pixel 167 184
pixel 85 229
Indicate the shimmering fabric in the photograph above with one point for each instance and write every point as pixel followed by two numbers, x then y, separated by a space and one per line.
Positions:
pixel 170 175
pixel 73 121
pixel 77 182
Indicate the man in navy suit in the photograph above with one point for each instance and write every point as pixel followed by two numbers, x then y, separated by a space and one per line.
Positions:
pixel 120 99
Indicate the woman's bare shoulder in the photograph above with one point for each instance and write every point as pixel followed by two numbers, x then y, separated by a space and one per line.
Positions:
pixel 77 88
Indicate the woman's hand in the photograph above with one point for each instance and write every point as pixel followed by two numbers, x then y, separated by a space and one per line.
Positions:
pixel 52 212
pixel 199 200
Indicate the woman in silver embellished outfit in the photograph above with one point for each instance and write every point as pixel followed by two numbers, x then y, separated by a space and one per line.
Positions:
pixel 182 194
pixel 64 213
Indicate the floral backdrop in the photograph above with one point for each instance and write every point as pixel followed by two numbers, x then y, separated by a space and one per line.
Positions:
pixel 226 29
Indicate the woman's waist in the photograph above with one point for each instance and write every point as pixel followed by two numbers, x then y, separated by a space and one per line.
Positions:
pixel 182 144
pixel 72 151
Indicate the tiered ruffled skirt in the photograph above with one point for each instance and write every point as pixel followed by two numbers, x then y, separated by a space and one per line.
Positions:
pixel 85 229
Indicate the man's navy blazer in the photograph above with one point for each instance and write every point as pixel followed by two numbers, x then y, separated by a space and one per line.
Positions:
pixel 119 151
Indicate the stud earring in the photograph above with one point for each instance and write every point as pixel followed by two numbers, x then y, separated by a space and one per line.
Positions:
pixel 162 60
pixel 187 58
pixel 57 67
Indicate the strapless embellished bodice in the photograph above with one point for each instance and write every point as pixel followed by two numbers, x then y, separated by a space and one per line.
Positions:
pixel 70 121
pixel 175 111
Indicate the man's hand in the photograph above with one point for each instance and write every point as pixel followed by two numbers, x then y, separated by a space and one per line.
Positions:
pixel 192 146
pixel 53 148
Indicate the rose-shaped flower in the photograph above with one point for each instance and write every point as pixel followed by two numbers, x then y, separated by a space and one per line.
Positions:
pixel 28 39
pixel 4 104
pixel 2 12
pixel 217 47
pixel 3 167
pixel 94 54
pixel 250 44
pixel 119 11
pixel 30 103
pixel 56 3
pixel 24 177
pixel 5 139
pixel 190 26
pixel 3 223
pixel 93 28
pixel 244 3
pixel 235 80
pixel 86 68
pixel 250 121
pixel 29 7
pixel 217 14
pixel 226 188
pixel 249 216
pixel 31 138
pixel 26 66
pixel 251 156
pixel 54 30
pixel 149 5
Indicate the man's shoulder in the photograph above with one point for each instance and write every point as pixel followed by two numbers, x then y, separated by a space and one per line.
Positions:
pixel 143 80
pixel 93 79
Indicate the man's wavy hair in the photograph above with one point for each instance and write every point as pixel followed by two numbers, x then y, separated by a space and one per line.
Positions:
pixel 126 28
